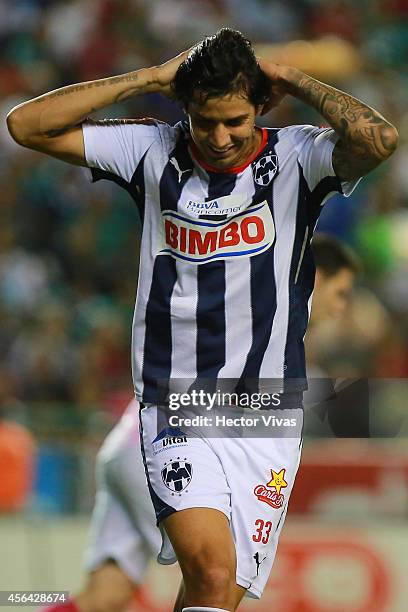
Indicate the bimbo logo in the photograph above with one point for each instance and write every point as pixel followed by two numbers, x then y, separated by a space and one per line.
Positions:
pixel 242 235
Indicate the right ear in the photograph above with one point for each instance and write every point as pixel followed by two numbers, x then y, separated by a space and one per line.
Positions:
pixel 319 277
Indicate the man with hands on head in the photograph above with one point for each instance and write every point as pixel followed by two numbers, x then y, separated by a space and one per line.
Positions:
pixel 226 273
pixel 52 123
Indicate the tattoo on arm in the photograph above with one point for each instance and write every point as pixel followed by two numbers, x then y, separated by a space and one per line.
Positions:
pixel 129 78
pixel 66 91
pixel 366 138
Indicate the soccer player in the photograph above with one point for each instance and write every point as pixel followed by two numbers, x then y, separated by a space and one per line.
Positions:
pixel 226 273
pixel 123 537
pixel 336 269
pixel 340 405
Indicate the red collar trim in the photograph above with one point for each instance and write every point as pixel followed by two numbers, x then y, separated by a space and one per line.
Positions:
pixel 234 169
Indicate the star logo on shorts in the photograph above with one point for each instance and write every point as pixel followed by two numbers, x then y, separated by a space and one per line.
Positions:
pixel 271 492
pixel 278 480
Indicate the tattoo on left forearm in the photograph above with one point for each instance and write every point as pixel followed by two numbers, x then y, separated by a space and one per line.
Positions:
pixel 366 138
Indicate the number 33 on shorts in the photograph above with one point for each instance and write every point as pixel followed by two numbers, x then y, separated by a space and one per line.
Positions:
pixel 262 532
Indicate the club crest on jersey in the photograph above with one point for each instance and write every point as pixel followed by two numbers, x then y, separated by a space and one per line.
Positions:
pixel 271 492
pixel 177 475
pixel 265 169
pixel 248 233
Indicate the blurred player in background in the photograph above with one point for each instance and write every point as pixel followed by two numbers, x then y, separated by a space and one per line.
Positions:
pixel 343 403
pixel 336 270
pixel 123 534
pixel 226 274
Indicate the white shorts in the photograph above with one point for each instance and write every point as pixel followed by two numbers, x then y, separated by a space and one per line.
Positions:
pixel 123 525
pixel 248 479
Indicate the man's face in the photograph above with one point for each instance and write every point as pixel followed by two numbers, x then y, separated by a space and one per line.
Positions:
pixel 331 294
pixel 223 130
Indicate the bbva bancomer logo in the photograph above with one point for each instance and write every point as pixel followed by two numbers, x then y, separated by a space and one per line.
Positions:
pixel 246 234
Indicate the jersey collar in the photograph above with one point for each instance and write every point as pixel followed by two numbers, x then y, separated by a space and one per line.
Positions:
pixel 234 169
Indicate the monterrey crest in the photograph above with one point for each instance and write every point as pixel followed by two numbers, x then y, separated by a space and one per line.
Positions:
pixel 265 169
pixel 177 475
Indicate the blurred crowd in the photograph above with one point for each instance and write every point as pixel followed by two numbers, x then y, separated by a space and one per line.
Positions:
pixel 69 249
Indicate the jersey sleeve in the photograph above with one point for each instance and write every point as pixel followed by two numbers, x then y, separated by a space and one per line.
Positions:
pixel 314 148
pixel 116 146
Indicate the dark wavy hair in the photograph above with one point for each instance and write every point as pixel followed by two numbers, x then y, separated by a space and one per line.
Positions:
pixel 219 65
pixel 331 255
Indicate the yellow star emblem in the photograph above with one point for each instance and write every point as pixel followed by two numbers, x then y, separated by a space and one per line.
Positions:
pixel 278 480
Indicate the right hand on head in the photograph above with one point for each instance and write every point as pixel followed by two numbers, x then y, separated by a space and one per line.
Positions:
pixel 164 73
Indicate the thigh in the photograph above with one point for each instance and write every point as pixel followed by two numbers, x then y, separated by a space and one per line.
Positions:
pixel 260 490
pixel 202 540
pixel 182 471
pixel 201 533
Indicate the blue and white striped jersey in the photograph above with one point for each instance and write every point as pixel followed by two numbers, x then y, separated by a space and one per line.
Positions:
pixel 226 270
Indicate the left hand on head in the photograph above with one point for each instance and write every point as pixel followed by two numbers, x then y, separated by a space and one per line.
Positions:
pixel 278 91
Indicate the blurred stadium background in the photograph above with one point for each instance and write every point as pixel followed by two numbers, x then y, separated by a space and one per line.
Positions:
pixel 68 272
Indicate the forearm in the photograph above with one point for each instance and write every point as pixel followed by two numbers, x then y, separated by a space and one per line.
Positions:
pixel 58 111
pixel 365 136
